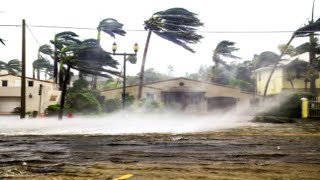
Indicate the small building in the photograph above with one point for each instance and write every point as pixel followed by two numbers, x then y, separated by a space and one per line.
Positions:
pixel 188 95
pixel 37 99
pixel 289 75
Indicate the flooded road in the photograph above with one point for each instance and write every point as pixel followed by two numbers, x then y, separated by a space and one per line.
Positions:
pixel 262 151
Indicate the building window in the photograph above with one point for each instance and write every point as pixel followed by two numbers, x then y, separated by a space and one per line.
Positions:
pixel 30 83
pixel 53 98
pixel 4 83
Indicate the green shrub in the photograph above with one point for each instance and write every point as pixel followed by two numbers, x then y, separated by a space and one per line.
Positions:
pixel 52 110
pixel 148 105
pixel 291 106
pixel 53 107
pixel 111 105
pixel 83 101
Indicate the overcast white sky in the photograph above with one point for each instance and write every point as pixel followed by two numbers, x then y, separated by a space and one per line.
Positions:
pixel 217 15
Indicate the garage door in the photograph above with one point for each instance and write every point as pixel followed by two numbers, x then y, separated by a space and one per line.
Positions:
pixel 7 104
pixel 221 103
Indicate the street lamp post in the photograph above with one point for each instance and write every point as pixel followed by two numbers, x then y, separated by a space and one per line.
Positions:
pixel 132 60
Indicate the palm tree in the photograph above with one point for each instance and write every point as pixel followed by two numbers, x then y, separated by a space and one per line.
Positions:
pixel 13 66
pixel 112 27
pixel 177 25
pixel 60 41
pixel 40 65
pixel 224 49
pixel 307 30
pixel 48 71
pixel 87 57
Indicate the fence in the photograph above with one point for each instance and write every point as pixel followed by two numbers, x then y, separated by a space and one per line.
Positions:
pixel 314 107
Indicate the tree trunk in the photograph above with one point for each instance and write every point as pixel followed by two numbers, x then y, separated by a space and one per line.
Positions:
pixel 305 85
pixel 312 57
pixel 274 68
pixel 141 76
pixel 55 62
pixel 216 66
pixel 290 80
pixel 38 73
pixel 33 73
pixel 94 84
pixel 63 93
pixel 61 75
pixel 95 79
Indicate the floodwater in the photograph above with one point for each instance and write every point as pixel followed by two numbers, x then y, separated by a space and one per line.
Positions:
pixel 120 124
pixel 189 148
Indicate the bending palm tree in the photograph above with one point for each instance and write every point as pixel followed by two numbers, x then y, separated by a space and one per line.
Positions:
pixel 13 66
pixel 177 25
pixel 60 41
pixel 86 57
pixel 112 27
pixel 41 63
pixel 223 49
pixel 38 65
pixel 307 30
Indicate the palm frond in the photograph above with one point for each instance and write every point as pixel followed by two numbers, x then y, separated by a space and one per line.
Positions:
pixel 307 29
pixel 177 25
pixel 66 34
pixel 112 27
pixel 46 49
pixel 225 49
pixel 2 41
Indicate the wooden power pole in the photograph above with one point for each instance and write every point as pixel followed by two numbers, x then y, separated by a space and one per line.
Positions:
pixel 23 73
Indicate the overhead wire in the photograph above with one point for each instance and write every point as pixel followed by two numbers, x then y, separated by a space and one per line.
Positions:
pixel 142 30
pixel 34 37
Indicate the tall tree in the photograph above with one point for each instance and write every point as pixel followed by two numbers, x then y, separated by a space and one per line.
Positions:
pixel 309 30
pixel 177 25
pixel 112 27
pixel 87 57
pixel 13 66
pixel 62 40
pixel 224 49
pixel 305 31
pixel 42 63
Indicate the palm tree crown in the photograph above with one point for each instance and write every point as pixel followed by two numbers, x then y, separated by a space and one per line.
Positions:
pixel 177 25
pixel 13 66
pixel 111 26
pixel 224 49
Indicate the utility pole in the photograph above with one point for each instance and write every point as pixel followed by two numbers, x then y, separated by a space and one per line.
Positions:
pixel 23 73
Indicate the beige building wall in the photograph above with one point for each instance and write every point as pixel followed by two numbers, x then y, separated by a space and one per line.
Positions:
pixel 133 91
pixel 50 94
pixel 211 90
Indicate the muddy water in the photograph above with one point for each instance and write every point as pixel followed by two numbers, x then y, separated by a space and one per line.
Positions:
pixel 263 151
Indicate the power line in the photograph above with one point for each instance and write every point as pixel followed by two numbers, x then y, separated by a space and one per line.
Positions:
pixel 34 37
pixel 9 25
pixel 200 31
